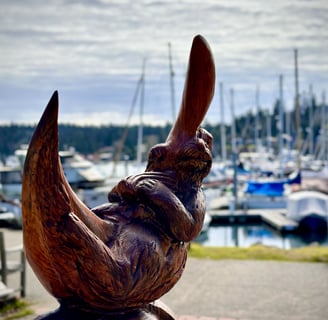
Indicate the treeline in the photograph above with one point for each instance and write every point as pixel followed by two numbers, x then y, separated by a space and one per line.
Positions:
pixel 85 139
pixel 89 139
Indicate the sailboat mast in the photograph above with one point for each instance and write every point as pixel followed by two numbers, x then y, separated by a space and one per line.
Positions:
pixel 141 111
pixel 233 122
pixel 234 147
pixel 323 127
pixel 311 122
pixel 172 83
pixel 222 126
pixel 281 124
pixel 287 128
pixel 269 131
pixel 297 111
pixel 257 129
pixel 125 132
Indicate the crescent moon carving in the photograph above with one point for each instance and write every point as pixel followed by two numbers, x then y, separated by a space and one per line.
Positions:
pixel 131 250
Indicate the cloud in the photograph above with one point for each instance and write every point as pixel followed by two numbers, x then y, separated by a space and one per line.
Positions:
pixel 92 52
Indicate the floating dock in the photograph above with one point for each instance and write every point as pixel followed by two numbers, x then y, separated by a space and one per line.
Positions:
pixel 273 217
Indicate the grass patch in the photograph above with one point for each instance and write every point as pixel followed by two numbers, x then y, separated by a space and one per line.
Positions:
pixel 260 252
pixel 15 309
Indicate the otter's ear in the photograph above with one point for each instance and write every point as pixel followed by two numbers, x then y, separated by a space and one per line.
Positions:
pixel 198 91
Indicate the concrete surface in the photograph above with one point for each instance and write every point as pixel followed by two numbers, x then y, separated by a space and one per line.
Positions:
pixel 227 290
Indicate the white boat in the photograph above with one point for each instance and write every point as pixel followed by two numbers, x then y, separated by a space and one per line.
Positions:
pixel 11 180
pixel 11 173
pixel 206 223
pixel 10 211
pixel 216 177
pixel 94 197
pixel 309 208
pixel 80 172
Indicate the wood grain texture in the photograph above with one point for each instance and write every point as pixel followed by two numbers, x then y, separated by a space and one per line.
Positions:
pixel 130 251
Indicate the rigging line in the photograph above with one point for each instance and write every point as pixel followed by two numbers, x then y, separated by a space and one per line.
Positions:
pixel 172 74
pixel 125 132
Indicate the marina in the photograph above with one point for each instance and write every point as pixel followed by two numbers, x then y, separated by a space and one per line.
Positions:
pixel 263 174
pixel 248 235
pixel 265 227
pixel 225 214
pixel 275 218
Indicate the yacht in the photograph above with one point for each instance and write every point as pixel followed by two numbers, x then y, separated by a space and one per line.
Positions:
pixel 80 172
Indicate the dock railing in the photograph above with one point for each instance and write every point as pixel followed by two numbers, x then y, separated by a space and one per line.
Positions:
pixel 12 261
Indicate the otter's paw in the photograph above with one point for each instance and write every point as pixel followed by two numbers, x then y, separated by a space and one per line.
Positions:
pixel 147 185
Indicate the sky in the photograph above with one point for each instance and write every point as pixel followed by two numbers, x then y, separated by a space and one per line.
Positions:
pixel 92 52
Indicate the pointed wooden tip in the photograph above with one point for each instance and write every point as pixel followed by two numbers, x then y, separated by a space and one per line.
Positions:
pixel 50 113
pixel 198 90
pixel 46 132
pixel 49 118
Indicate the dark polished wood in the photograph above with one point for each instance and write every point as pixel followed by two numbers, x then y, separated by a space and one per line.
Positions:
pixel 152 311
pixel 128 252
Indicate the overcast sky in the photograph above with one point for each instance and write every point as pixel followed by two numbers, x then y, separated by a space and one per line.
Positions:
pixel 92 53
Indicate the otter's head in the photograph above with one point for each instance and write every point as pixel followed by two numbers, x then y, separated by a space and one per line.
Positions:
pixel 190 163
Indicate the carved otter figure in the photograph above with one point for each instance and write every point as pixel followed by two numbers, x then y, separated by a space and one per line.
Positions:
pixel 130 251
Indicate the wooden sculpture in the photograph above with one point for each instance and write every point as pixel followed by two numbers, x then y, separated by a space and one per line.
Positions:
pixel 118 258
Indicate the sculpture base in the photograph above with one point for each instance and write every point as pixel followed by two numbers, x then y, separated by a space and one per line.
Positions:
pixel 152 311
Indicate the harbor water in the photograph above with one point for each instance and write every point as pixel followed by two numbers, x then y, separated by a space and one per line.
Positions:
pixel 248 235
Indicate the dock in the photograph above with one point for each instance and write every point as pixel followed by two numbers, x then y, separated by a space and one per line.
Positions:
pixel 275 218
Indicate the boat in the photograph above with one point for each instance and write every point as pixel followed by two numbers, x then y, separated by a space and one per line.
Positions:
pixel 269 193
pixel 80 172
pixel 10 211
pixel 206 223
pixel 11 180
pixel 216 178
pixel 310 209
pixel 93 197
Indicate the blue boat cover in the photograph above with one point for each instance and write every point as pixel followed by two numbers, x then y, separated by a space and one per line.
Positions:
pixel 271 188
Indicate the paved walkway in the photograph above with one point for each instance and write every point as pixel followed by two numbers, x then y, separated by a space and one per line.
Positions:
pixel 251 290
pixel 230 290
